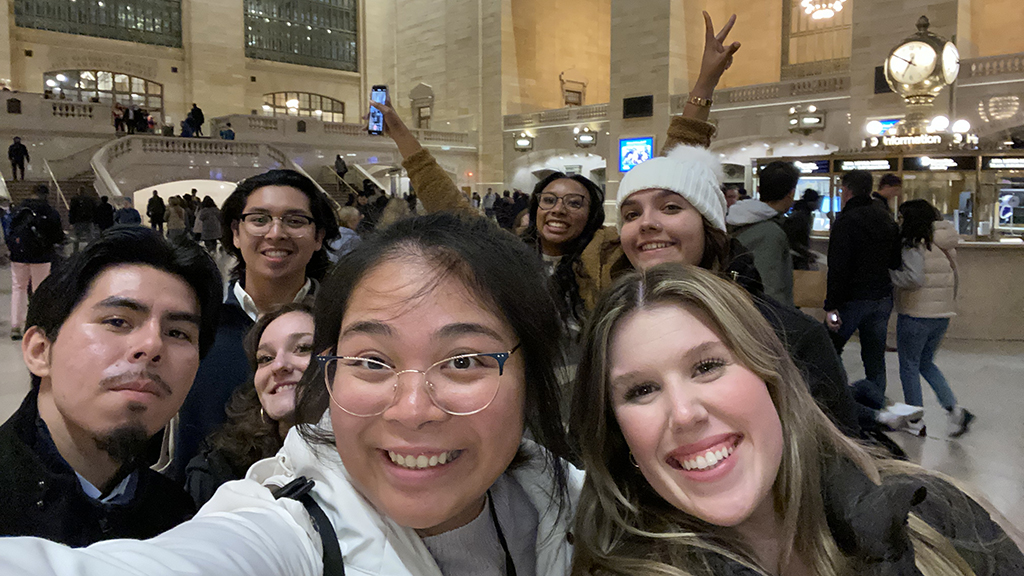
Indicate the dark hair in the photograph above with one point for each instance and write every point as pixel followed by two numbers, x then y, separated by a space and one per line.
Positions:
pixel 494 266
pixel 858 182
pixel 890 180
pixel 69 283
pixel 778 179
pixel 319 206
pixel 563 281
pixel 42 190
pixel 208 202
pixel 247 435
pixel 918 223
pixel 811 196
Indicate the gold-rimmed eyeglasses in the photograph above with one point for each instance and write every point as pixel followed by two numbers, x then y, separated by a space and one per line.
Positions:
pixel 460 385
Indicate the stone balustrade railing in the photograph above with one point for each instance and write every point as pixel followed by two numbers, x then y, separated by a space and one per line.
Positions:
pixel 133 152
pixel 62 109
pixel 992 66
pixel 581 114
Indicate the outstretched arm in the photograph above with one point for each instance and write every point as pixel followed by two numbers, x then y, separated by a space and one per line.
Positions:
pixel 432 184
pixel 692 128
pixel 718 57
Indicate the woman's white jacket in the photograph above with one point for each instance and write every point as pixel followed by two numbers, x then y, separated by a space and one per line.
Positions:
pixel 244 531
pixel 926 283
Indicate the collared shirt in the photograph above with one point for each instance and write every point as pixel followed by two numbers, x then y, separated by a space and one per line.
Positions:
pixel 121 494
pixel 249 306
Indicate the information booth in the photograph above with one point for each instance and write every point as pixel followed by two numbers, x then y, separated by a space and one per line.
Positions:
pixel 982 194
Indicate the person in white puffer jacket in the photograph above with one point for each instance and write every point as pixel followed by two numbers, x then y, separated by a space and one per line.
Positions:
pixel 437 341
pixel 926 289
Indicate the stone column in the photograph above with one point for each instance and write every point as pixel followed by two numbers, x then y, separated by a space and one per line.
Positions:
pixel 878 26
pixel 6 23
pixel 648 57
pixel 213 38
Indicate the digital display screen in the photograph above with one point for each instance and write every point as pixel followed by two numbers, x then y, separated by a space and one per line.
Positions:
pixel 633 151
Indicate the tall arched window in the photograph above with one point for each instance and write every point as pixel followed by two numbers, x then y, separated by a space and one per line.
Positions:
pixel 144 21
pixel 321 33
pixel 815 47
pixel 303 104
pixel 106 87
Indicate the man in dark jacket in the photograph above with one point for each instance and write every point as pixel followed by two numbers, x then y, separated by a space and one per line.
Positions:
pixel 80 215
pixel 863 247
pixel 73 457
pixel 890 187
pixel 17 153
pixel 155 212
pixel 798 225
pixel 34 232
pixel 103 216
pixel 127 215
pixel 197 118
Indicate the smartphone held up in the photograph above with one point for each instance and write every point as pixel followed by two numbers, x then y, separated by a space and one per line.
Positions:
pixel 375 121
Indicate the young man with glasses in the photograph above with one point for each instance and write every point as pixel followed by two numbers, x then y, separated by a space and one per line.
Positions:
pixel 277 225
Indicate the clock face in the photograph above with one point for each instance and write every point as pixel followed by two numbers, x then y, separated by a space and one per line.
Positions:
pixel 912 62
pixel 950 63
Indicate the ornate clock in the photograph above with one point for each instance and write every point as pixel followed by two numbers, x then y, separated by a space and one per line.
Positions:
pixel 918 68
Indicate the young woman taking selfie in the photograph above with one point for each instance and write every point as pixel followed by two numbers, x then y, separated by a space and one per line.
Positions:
pixel 705 454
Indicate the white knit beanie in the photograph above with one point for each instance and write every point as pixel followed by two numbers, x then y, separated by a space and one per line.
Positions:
pixel 690 171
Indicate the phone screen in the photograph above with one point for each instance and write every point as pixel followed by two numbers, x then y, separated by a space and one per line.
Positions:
pixel 375 124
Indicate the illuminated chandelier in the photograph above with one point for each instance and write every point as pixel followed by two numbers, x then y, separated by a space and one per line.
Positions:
pixel 820 10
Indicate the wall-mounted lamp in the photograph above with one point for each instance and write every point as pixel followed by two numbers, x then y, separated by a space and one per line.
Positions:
pixel 585 138
pixel 523 142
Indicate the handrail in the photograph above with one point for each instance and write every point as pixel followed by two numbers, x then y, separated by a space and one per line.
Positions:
pixel 341 180
pixel 288 163
pixel 367 176
pixel 60 193
pixel 4 193
pixel 105 182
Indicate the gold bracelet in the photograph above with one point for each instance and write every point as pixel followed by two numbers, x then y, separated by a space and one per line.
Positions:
pixel 702 102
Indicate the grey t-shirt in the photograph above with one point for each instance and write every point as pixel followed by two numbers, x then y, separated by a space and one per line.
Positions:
pixel 474 549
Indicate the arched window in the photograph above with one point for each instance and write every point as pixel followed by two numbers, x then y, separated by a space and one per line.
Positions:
pixel 813 47
pixel 144 21
pixel 303 104
pixel 321 33
pixel 106 87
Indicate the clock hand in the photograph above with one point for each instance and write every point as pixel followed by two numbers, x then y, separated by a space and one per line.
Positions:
pixel 909 62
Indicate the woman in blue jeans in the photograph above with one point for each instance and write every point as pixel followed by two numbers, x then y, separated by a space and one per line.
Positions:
pixel 926 287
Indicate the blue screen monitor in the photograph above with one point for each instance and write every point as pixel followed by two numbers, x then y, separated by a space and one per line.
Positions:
pixel 633 151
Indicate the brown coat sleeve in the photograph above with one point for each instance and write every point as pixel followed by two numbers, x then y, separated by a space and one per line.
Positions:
pixel 602 261
pixel 433 186
pixel 690 132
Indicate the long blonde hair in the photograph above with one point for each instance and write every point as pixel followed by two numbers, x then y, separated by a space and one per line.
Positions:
pixel 624 527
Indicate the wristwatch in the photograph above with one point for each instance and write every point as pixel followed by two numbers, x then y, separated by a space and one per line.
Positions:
pixel 702 102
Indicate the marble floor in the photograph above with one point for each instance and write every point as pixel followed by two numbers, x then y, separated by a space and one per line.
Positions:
pixel 988 378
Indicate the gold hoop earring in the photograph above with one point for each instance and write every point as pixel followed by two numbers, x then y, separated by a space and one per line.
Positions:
pixel 632 460
pixel 263 417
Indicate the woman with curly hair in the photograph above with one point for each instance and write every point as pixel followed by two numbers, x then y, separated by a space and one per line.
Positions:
pixel 259 414
pixel 705 454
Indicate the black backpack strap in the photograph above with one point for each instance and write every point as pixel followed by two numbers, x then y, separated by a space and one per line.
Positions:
pixel 298 489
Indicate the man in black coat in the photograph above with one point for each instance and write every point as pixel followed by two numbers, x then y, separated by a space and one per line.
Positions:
pixel 863 247
pixel 114 341
pixel 80 215
pixel 155 209
pixel 103 214
pixel 17 153
pixel 198 118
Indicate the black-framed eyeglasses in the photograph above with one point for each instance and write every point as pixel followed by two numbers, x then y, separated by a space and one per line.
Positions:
pixel 460 385
pixel 548 201
pixel 259 223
